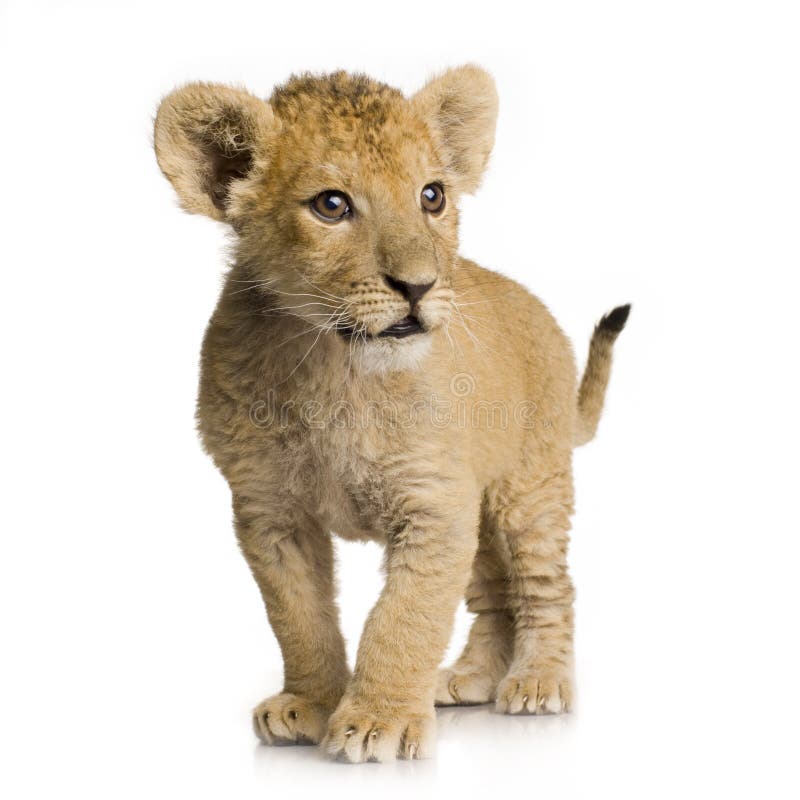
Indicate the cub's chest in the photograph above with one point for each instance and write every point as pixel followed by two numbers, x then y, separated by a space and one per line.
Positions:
pixel 347 513
pixel 341 467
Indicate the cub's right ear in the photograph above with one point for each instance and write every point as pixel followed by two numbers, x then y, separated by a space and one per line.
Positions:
pixel 208 139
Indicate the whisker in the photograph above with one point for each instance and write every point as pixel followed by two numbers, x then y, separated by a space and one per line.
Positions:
pixel 247 289
pixel 446 328
pixel 305 305
pixel 477 321
pixel 486 300
pixel 268 284
pixel 475 340
pixel 313 344
pixel 319 288
pixel 297 335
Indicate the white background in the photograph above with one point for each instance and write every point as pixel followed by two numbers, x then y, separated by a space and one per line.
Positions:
pixel 646 152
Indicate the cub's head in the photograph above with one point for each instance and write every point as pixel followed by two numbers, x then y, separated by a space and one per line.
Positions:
pixel 342 192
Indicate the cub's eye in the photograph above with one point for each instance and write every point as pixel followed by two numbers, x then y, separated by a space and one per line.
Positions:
pixel 331 205
pixel 432 198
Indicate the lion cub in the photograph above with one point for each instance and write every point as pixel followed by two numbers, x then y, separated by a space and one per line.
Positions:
pixel 359 376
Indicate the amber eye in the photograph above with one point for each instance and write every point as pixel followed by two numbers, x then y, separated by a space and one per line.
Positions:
pixel 433 198
pixel 331 205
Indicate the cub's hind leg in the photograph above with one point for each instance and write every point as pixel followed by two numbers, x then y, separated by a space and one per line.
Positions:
pixel 533 517
pixel 485 659
pixel 291 558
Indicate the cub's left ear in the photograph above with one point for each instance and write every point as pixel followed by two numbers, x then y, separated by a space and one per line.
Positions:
pixel 460 106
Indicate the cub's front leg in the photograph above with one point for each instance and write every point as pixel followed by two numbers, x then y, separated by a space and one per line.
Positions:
pixel 388 709
pixel 291 558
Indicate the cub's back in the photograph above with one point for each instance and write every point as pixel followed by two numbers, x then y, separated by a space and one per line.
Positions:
pixel 513 350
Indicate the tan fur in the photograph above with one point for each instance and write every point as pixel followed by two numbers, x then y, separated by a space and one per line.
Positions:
pixel 316 432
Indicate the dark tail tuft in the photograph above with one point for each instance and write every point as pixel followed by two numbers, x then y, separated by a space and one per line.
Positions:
pixel 592 391
pixel 615 320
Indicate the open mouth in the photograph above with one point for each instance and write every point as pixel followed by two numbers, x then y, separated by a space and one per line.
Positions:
pixel 407 326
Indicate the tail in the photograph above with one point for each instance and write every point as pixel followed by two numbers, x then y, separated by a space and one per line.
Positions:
pixel 592 391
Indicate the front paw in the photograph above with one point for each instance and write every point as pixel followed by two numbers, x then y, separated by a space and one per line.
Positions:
pixel 534 692
pixel 289 719
pixel 363 731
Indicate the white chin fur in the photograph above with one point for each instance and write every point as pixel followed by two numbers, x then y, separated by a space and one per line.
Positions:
pixel 380 356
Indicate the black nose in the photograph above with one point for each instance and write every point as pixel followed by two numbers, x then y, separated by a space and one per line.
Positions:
pixel 411 291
